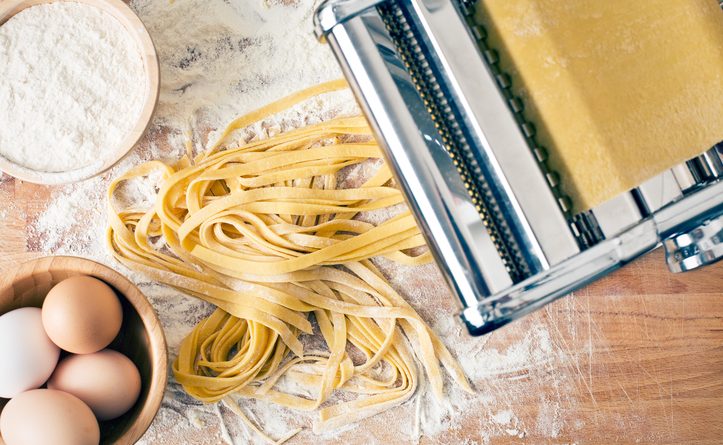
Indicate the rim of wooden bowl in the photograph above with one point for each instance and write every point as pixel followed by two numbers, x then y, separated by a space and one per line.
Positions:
pixel 134 296
pixel 124 14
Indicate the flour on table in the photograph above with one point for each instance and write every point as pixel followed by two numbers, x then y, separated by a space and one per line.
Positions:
pixel 72 85
pixel 220 59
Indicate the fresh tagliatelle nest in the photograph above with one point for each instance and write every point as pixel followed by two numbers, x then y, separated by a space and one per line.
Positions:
pixel 262 232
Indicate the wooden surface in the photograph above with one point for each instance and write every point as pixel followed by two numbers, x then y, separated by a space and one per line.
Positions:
pixel 141 338
pixel 123 13
pixel 634 358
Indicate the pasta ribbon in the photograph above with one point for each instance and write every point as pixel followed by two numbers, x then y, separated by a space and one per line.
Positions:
pixel 264 232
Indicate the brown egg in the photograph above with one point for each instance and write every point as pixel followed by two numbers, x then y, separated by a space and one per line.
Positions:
pixel 46 416
pixel 82 314
pixel 107 381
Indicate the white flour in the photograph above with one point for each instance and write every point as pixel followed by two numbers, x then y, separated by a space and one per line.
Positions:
pixel 222 58
pixel 71 86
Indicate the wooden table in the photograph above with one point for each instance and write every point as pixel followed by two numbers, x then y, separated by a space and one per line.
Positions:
pixel 636 357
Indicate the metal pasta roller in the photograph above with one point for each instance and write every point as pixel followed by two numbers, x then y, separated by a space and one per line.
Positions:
pixel 504 237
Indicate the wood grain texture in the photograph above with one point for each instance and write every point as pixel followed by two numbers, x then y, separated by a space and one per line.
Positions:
pixel 123 13
pixel 636 357
pixel 141 338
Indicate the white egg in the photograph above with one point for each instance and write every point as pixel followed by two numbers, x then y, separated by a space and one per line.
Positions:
pixel 27 356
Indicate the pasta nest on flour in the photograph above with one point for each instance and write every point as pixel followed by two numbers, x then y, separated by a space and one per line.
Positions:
pixel 263 232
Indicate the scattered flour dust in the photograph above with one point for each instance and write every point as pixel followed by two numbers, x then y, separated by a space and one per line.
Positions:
pixel 222 58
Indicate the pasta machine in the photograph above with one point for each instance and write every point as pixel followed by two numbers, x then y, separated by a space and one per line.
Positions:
pixel 505 238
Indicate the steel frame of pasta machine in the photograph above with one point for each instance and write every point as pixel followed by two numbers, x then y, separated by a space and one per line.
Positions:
pixel 467 161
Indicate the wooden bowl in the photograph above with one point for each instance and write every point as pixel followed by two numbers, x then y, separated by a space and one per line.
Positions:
pixel 124 14
pixel 141 338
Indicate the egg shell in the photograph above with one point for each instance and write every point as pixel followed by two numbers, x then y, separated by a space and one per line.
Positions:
pixel 27 356
pixel 107 381
pixel 47 416
pixel 82 314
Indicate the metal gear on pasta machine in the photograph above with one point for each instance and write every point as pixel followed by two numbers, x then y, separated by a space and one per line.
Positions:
pixel 499 228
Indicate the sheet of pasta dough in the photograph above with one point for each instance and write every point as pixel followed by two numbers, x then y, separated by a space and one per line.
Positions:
pixel 618 90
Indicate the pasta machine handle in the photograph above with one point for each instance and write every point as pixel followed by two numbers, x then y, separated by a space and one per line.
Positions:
pixel 695 248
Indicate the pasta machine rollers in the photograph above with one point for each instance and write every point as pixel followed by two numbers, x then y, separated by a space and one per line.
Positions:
pixel 503 235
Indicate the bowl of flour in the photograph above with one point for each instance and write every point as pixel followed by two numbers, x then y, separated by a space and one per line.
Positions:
pixel 79 82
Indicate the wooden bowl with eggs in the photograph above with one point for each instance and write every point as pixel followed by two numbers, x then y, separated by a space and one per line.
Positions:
pixel 140 339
